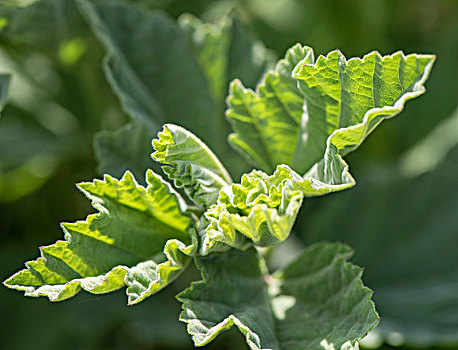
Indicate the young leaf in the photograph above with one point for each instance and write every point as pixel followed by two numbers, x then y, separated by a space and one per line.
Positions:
pixel 133 225
pixel 262 208
pixel 267 122
pixel 342 102
pixel 318 301
pixel 190 164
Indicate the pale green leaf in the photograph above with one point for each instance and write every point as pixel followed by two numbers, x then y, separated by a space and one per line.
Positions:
pixel 190 164
pixel 316 302
pixel 133 225
pixel 261 209
pixel 267 123
pixel 337 105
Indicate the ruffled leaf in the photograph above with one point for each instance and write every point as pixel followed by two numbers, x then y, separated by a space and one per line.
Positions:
pixel 317 302
pixel 133 225
pixel 261 209
pixel 190 164
pixel 401 226
pixel 344 102
pixel 148 277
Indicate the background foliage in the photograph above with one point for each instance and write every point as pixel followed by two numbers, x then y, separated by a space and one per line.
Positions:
pixel 405 234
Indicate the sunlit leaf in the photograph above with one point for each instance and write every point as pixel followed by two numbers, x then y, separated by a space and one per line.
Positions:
pixel 337 105
pixel 132 226
pixel 190 164
pixel 267 122
pixel 347 100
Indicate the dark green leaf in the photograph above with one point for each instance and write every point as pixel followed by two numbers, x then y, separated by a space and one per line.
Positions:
pixel 316 302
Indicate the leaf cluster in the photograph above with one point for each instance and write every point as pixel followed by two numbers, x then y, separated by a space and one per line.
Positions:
pixel 304 116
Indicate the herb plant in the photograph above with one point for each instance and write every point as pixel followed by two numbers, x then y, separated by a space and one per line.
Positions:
pixel 304 116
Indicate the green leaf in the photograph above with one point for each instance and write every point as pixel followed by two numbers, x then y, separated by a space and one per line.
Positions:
pixel 152 79
pixel 261 209
pixel 190 164
pixel 210 43
pixel 338 105
pixel 205 74
pixel 267 122
pixel 147 278
pixel 225 50
pixel 318 301
pixel 133 225
pixel 347 100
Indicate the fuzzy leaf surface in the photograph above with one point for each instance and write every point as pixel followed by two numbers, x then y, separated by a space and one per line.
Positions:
pixel 133 225
pixel 190 164
pixel 317 302
pixel 261 209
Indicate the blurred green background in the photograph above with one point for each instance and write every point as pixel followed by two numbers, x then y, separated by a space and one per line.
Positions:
pixel 406 235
